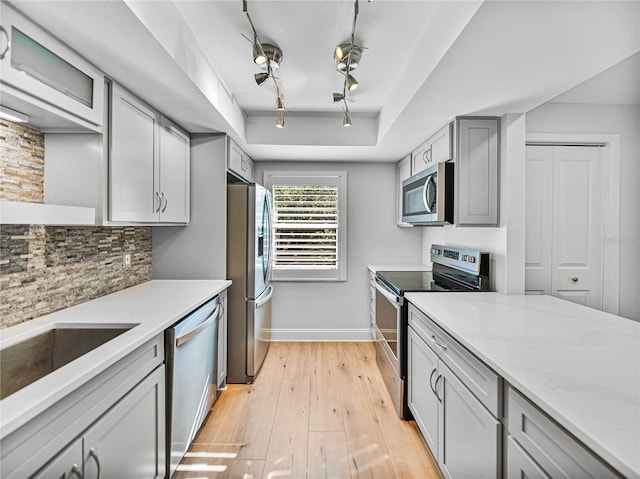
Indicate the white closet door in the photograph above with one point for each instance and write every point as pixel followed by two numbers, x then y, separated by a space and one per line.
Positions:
pixel 564 223
pixel 538 219
pixel 578 225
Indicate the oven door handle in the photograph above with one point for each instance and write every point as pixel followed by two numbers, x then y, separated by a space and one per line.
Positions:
pixel 394 299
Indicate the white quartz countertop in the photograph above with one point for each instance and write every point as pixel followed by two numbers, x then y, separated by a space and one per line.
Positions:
pixel 581 366
pixel 152 306
pixel 374 268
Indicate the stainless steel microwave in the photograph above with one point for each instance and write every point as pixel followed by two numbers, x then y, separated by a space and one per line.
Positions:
pixel 427 197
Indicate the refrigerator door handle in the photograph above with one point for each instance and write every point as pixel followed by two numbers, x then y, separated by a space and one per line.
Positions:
pixel 271 240
pixel 266 296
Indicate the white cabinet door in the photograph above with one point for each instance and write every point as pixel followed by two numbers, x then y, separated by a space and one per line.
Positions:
pixel 403 172
pixel 239 163
pixel 440 145
pixel 66 465
pixel 422 373
pixel 420 159
pixel 129 440
pixel 174 173
pixel 468 434
pixel 477 172
pixel 133 159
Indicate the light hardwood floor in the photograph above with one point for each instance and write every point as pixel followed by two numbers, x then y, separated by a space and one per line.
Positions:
pixel 317 410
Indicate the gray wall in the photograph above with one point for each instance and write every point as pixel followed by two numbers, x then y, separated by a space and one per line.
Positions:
pixel 340 311
pixel 623 120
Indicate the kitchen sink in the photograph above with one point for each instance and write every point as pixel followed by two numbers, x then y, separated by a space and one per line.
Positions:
pixel 31 359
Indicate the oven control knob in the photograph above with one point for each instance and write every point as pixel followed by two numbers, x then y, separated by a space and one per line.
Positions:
pixel 435 251
pixel 465 257
pixel 472 259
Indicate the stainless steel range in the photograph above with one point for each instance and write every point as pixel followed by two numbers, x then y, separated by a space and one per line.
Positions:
pixel 454 269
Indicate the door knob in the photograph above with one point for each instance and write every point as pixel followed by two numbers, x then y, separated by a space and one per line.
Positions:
pixel 574 279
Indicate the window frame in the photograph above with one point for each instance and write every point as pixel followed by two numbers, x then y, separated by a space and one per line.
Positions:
pixel 314 178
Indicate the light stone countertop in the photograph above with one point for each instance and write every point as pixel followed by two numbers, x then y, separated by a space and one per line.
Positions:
pixel 580 365
pixel 374 268
pixel 153 306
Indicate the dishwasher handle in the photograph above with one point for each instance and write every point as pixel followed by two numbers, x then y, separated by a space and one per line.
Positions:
pixel 194 332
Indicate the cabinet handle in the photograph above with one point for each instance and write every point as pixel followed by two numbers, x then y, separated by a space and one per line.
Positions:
pixel 166 201
pixel 94 455
pixel 431 381
pixel 429 154
pixel 75 471
pixel 159 202
pixel 425 156
pixel 6 49
pixel 244 165
pixel 443 346
pixel 436 388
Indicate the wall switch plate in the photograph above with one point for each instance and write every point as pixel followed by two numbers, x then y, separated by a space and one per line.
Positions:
pixel 126 260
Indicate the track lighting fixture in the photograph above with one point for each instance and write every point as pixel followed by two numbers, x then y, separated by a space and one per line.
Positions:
pixel 346 122
pixel 352 83
pixel 261 78
pixel 347 56
pixel 268 58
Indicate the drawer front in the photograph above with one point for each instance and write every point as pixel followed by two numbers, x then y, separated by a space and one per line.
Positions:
pixel 558 453
pixel 520 464
pixel 482 381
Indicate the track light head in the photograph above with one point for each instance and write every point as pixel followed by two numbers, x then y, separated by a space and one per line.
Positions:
pixel 280 120
pixel 261 78
pixel 337 97
pixel 279 104
pixel 347 120
pixel 352 83
pixel 272 54
pixel 259 57
pixel 351 55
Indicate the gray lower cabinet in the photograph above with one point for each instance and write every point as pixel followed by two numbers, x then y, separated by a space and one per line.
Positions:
pixel 120 414
pixel 67 465
pixel 468 434
pixel 462 433
pixel 547 445
pixel 520 464
pixel 128 441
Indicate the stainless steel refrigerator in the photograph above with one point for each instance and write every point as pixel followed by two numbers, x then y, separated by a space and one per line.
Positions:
pixel 249 255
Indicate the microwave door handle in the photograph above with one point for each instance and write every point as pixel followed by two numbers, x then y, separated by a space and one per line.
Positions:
pixel 424 193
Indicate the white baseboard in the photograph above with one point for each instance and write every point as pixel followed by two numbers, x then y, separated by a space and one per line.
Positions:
pixel 285 334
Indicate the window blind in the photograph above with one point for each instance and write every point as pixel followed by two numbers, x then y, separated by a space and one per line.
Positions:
pixel 306 226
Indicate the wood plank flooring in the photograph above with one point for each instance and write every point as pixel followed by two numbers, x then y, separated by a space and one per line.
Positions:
pixel 316 411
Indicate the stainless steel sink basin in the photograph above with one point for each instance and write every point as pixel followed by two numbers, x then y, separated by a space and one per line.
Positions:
pixel 29 360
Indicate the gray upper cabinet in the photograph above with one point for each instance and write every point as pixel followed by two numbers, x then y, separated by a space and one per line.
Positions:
pixel 476 154
pixel 403 172
pixel 41 75
pixel 436 149
pixel 148 164
pixel 239 162
pixel 174 173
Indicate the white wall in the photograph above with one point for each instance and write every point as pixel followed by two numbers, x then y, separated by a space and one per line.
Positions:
pixel 505 243
pixel 340 311
pixel 623 120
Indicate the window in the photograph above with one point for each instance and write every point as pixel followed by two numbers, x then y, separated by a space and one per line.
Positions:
pixel 309 225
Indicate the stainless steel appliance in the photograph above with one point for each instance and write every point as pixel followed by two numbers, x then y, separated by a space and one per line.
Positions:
pixel 249 255
pixel 427 197
pixel 191 362
pixel 454 269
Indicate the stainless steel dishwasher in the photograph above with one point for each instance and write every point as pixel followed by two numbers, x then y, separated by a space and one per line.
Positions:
pixel 191 364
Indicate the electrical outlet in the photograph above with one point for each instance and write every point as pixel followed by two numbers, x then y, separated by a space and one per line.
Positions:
pixel 126 260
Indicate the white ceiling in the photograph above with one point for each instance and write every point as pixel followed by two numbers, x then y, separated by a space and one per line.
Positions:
pixel 426 62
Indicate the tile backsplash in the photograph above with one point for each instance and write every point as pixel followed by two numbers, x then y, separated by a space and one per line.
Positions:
pixel 47 268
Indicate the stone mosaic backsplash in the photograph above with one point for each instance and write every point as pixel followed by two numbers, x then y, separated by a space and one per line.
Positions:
pixel 47 268
pixel 21 163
